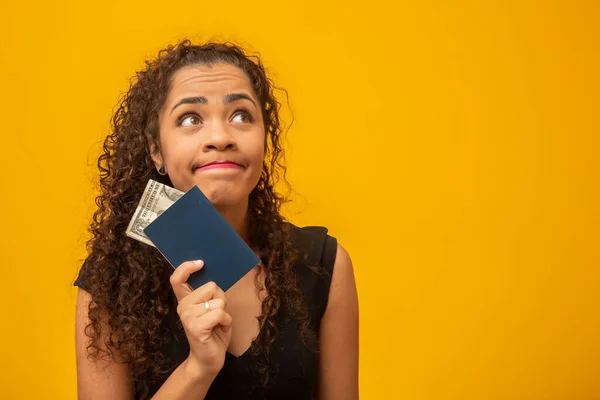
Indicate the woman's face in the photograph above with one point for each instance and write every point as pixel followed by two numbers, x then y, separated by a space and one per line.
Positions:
pixel 212 133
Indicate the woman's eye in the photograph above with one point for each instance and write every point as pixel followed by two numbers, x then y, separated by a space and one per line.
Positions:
pixel 242 117
pixel 189 120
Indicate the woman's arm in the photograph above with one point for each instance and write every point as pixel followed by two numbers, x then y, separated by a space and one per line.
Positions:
pixel 106 379
pixel 97 379
pixel 338 335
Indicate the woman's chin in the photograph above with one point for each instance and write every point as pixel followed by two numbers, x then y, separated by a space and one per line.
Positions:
pixel 223 198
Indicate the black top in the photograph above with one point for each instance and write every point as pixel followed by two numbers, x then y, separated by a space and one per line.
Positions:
pixel 296 365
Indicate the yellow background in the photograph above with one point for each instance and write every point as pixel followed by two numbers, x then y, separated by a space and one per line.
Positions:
pixel 451 147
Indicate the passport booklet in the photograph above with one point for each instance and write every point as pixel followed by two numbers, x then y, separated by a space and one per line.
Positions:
pixel 193 229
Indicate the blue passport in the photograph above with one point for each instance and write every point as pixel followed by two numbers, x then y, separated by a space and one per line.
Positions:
pixel 193 229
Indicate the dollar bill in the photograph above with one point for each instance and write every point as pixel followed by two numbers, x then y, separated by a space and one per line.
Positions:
pixel 156 199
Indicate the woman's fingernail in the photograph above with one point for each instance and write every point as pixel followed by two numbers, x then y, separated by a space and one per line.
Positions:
pixel 197 262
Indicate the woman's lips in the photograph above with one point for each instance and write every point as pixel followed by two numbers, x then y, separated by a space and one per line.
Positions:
pixel 224 164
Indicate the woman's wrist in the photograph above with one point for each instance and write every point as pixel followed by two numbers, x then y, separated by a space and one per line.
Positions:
pixel 196 373
pixel 189 380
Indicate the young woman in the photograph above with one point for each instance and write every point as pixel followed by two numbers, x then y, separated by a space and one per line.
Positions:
pixel 206 116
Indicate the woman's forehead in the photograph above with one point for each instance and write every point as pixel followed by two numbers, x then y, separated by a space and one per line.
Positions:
pixel 217 77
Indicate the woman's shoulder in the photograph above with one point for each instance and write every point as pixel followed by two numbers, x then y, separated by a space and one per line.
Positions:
pixel 317 245
pixel 314 270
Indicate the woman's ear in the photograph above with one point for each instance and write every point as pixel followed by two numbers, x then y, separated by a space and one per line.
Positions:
pixel 156 156
pixel 159 163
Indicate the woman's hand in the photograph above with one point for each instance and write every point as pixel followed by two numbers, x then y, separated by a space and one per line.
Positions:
pixel 208 329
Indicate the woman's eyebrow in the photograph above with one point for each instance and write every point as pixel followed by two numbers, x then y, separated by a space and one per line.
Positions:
pixel 231 97
pixel 190 100
pixel 228 98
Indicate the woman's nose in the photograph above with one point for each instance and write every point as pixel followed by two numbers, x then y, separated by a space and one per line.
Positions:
pixel 218 138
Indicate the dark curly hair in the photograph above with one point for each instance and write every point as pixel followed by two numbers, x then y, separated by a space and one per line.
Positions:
pixel 129 281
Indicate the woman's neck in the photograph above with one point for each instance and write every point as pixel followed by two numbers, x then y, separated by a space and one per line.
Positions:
pixel 236 216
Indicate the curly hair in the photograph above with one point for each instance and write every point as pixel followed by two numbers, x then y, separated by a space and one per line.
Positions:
pixel 128 281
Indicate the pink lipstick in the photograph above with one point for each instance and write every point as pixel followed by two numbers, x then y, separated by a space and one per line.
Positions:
pixel 219 164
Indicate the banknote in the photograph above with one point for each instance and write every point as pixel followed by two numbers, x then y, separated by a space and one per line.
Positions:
pixel 156 199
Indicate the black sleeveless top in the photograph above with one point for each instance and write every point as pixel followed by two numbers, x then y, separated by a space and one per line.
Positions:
pixel 296 366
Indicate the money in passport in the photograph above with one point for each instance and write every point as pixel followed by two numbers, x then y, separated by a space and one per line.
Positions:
pixel 187 227
pixel 156 198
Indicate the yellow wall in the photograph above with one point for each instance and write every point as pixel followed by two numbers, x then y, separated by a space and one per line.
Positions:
pixel 450 146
